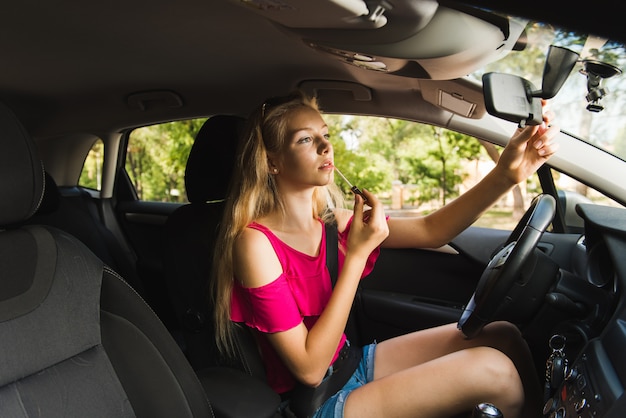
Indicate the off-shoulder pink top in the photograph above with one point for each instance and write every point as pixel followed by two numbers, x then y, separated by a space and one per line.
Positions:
pixel 299 294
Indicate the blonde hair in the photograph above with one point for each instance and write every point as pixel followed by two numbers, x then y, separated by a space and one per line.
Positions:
pixel 253 194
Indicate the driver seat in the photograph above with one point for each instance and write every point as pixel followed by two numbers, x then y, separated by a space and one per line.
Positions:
pixel 191 232
pixel 75 338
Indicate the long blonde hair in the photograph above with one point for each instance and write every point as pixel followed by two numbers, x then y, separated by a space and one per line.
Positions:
pixel 253 194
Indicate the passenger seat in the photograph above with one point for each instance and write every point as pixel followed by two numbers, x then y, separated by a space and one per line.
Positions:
pixel 74 211
pixel 76 340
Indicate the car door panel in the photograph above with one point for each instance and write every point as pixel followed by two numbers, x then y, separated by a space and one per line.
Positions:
pixel 143 223
pixel 413 289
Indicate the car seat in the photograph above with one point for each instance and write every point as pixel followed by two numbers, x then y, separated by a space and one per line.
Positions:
pixel 74 211
pixel 191 231
pixel 75 339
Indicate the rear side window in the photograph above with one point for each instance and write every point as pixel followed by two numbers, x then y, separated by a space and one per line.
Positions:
pixel 156 157
pixel 91 175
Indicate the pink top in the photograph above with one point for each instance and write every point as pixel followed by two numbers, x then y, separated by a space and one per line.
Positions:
pixel 299 294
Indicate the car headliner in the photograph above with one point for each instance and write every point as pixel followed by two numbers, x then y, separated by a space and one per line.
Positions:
pixel 75 66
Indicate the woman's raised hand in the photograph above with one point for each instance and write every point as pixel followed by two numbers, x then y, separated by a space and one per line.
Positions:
pixel 369 227
pixel 528 149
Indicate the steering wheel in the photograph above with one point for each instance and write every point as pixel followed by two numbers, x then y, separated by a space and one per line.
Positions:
pixel 512 285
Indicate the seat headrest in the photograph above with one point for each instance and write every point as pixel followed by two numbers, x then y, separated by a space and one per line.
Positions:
pixel 21 171
pixel 51 196
pixel 212 157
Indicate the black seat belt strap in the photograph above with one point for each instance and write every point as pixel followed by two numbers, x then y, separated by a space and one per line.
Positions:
pixel 332 251
pixel 305 400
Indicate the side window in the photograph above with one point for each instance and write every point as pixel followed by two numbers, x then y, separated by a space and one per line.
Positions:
pixel 91 175
pixel 156 157
pixel 416 168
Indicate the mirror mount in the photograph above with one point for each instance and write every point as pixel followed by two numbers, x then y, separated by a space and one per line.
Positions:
pixel 596 71
pixel 559 64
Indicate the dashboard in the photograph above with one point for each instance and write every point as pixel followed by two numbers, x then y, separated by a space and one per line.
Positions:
pixel 589 380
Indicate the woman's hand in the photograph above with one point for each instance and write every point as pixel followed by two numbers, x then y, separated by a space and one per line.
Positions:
pixel 369 227
pixel 528 149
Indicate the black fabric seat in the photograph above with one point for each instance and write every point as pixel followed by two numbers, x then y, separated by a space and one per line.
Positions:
pixel 74 211
pixel 75 339
pixel 191 232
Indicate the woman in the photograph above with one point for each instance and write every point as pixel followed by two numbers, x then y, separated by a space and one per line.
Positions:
pixel 271 276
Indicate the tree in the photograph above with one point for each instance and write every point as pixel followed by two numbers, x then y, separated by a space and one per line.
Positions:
pixel 445 150
pixel 376 151
pixel 91 174
pixel 371 171
pixel 157 156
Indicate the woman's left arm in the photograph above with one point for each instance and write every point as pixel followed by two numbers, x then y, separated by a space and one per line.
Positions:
pixel 527 150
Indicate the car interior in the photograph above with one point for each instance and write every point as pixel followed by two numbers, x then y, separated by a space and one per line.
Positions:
pixel 60 329
pixel 105 305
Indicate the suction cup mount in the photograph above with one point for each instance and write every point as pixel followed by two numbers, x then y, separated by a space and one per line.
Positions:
pixel 596 71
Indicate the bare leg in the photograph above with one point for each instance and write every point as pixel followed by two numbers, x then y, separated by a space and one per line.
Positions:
pixel 437 372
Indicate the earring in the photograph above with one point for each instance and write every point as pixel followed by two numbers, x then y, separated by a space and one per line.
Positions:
pixel 275 171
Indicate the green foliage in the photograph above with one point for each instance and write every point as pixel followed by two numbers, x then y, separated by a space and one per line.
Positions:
pixel 156 159
pixel 371 152
pixel 377 151
pixel 436 171
pixel 90 176
pixel 367 171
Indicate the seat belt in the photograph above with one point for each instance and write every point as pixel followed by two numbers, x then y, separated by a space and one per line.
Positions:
pixel 332 251
pixel 305 400
pixel 332 263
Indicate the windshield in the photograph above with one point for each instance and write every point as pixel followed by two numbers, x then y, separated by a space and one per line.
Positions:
pixel 605 125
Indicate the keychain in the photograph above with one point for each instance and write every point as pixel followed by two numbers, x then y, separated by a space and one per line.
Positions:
pixel 556 365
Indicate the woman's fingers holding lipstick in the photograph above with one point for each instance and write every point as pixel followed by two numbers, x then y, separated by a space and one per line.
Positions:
pixel 369 227
pixel 376 219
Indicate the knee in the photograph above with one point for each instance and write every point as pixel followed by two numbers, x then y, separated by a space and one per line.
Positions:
pixel 499 375
pixel 497 366
pixel 504 336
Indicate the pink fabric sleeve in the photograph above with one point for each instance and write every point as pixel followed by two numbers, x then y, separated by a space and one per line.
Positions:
pixel 269 308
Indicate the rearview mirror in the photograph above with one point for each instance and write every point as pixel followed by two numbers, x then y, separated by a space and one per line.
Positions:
pixel 509 97
pixel 516 99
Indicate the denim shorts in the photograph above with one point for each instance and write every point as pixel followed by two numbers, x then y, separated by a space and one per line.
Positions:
pixel 333 407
